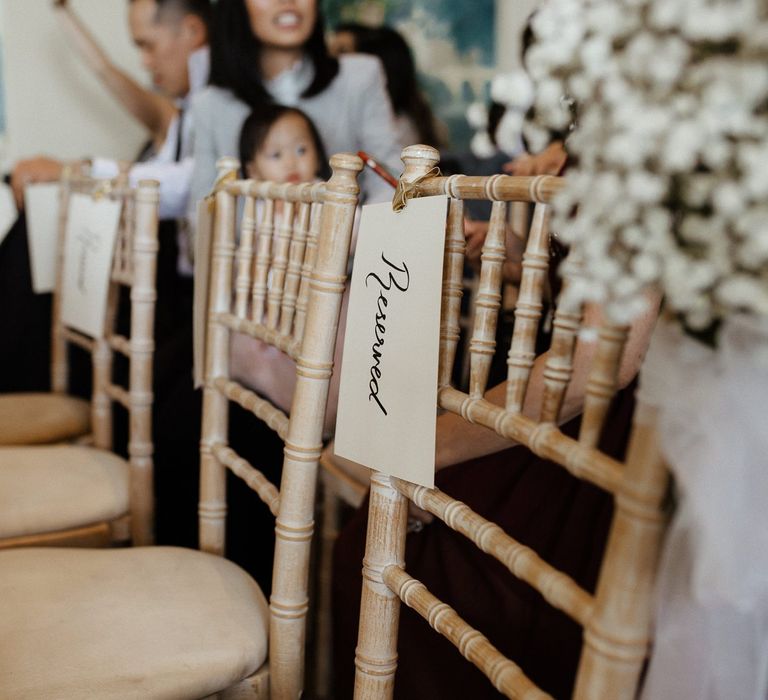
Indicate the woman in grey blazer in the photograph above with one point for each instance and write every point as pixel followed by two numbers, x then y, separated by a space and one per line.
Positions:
pixel 272 51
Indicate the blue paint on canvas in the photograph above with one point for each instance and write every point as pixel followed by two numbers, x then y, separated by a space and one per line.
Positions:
pixel 453 42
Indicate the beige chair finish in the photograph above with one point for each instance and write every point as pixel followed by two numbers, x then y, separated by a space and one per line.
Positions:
pixel 31 418
pixel 34 418
pixel 77 495
pixel 157 623
pixel 345 483
pixel 616 618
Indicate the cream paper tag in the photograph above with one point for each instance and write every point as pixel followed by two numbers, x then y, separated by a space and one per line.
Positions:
pixel 41 203
pixel 388 390
pixel 8 211
pixel 89 243
pixel 203 238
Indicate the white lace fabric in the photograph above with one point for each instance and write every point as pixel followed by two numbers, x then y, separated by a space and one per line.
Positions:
pixel 711 636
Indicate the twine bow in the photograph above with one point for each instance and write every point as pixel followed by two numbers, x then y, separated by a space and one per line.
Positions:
pixel 221 182
pixel 103 190
pixel 407 189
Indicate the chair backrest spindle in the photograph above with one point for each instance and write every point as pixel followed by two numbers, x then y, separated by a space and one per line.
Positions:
pixel 245 257
pixel 482 346
pixel 266 231
pixel 522 352
pixel 453 289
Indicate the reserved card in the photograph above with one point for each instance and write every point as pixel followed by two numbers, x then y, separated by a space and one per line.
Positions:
pixel 89 243
pixel 8 211
pixel 388 391
pixel 41 203
pixel 203 238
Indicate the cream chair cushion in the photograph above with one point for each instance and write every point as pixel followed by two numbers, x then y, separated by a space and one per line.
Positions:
pixel 30 419
pixel 57 487
pixel 148 622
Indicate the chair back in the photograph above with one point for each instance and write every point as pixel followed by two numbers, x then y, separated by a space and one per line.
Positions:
pixel 278 279
pixel 616 617
pixel 134 269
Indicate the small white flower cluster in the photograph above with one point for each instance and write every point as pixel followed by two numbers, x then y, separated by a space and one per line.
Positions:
pixel 670 183
pixel 514 91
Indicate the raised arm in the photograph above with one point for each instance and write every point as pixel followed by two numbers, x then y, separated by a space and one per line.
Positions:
pixel 154 111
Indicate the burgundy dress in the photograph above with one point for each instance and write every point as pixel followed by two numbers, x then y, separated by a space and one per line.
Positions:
pixel 564 519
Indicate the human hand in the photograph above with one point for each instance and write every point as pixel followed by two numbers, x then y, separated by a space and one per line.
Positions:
pixel 475 233
pixel 27 172
pixel 549 162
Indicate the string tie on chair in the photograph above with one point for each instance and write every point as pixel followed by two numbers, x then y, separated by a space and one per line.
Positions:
pixel 221 182
pixel 103 190
pixel 407 189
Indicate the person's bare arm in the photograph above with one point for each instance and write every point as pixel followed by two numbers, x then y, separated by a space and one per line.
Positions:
pixel 549 162
pixel 154 111
pixel 32 170
pixel 458 441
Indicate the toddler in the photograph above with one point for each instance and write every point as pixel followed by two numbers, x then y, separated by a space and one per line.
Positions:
pixel 281 144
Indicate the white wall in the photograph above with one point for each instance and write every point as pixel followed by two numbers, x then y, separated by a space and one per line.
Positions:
pixel 511 16
pixel 54 105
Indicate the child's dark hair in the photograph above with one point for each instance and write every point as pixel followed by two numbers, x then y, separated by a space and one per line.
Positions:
pixel 257 126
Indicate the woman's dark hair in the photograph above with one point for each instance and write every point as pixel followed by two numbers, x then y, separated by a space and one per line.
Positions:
pixel 256 128
pixel 235 53
pixel 400 68
pixel 496 113
pixel 355 29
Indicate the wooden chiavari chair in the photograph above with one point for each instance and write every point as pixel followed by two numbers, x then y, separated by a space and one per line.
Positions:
pixel 33 418
pixel 616 617
pixel 86 495
pixel 162 622
pixel 345 484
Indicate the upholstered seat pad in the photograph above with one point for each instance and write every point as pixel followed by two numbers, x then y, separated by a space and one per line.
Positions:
pixel 31 419
pixel 57 487
pixel 148 622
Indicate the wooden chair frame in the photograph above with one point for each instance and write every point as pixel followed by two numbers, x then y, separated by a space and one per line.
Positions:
pixel 134 267
pixel 616 618
pixel 339 488
pixel 289 295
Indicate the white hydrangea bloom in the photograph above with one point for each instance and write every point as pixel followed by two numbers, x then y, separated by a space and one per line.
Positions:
pixel 482 146
pixel 477 116
pixel 509 134
pixel 670 182
pixel 513 90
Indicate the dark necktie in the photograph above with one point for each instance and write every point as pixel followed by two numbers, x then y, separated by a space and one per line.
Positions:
pixel 179 133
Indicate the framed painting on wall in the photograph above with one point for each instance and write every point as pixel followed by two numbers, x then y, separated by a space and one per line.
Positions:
pixel 454 45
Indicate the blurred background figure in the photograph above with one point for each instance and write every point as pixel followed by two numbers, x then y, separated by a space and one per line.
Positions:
pixel 414 119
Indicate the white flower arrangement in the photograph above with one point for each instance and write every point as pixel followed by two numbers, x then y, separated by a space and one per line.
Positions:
pixel 670 183
pixel 515 91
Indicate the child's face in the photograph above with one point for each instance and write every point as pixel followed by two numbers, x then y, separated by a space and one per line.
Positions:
pixel 288 154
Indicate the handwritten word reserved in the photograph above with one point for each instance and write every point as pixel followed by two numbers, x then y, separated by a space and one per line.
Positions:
pixel 394 282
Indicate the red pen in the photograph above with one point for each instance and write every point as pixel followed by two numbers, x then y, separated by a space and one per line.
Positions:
pixel 380 171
